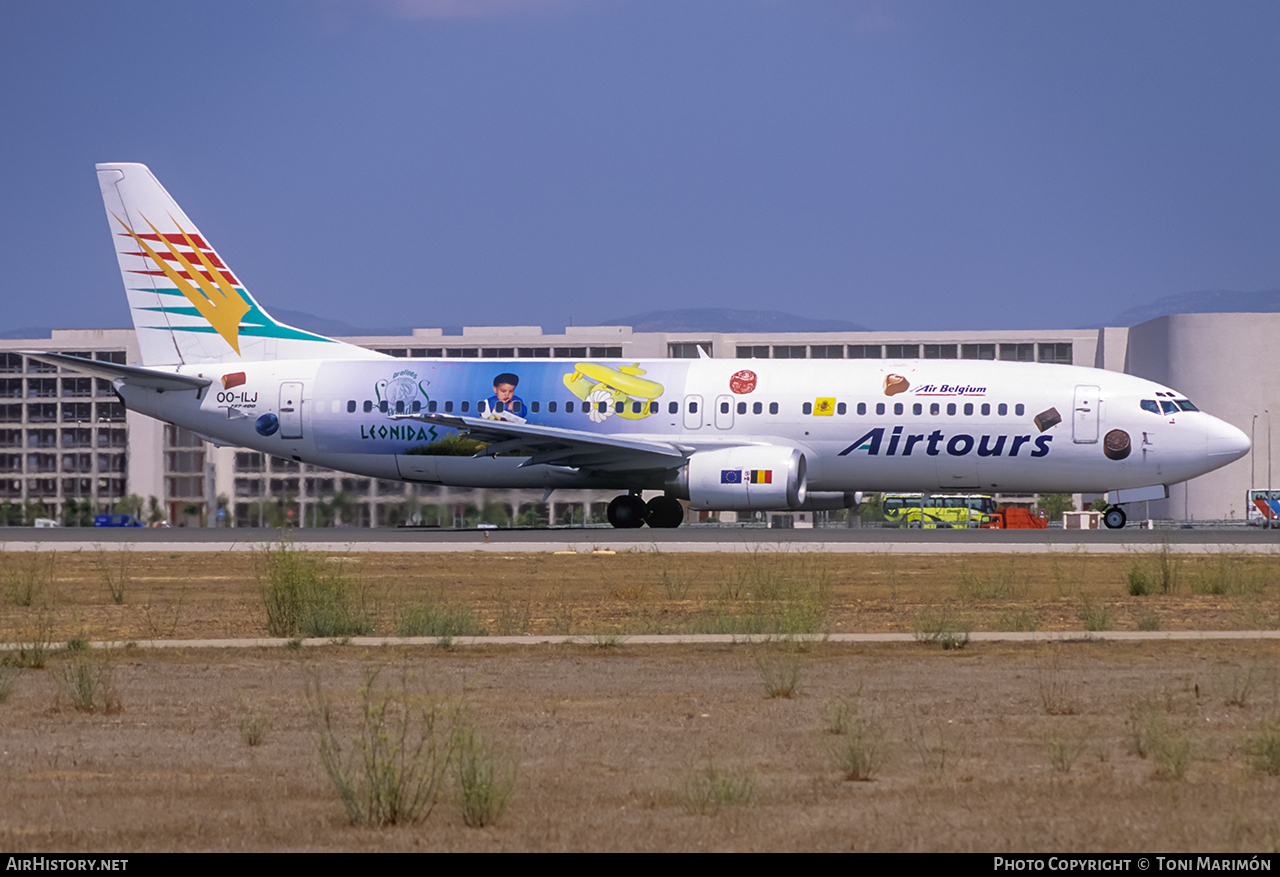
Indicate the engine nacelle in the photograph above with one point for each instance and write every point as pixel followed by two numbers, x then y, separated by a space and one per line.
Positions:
pixel 824 501
pixel 753 478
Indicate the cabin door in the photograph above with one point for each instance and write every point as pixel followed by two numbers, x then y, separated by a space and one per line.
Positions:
pixel 692 412
pixel 724 412
pixel 291 410
pixel 1084 422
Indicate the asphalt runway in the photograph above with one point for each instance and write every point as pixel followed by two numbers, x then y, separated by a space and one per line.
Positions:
pixel 586 540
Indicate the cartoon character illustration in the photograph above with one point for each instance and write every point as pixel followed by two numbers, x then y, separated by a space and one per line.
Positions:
pixel 504 399
pixel 594 383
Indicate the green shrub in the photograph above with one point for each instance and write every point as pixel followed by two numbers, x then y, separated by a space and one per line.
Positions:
pixel 432 616
pixel 87 682
pixel 389 771
pixel 486 777
pixel 1263 749
pixel 303 597
pixel 943 628
pixel 860 751
pixel 780 674
pixel 708 789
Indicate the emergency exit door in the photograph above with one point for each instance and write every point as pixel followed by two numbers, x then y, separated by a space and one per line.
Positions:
pixel 291 410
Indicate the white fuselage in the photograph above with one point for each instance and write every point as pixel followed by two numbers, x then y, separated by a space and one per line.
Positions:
pixel 869 425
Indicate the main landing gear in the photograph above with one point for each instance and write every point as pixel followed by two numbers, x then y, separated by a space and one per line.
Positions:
pixel 629 511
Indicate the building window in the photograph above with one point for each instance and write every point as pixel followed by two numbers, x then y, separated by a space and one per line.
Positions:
pixel 77 412
pixel 864 351
pixel 11 363
pixel 43 412
pixel 570 352
pixel 977 351
pixel 11 388
pixel 77 387
pixel 688 350
pixel 750 352
pixel 826 351
pixel 393 351
pixel 462 352
pixel 498 352
pixel 42 388
pixel 535 352
pixel 939 351
pixel 795 351
pixel 902 351
pixel 116 356
pixel 606 352
pixel 110 412
pixel 1018 352
pixel 1057 353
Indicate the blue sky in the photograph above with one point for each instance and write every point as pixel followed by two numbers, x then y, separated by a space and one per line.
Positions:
pixel 927 165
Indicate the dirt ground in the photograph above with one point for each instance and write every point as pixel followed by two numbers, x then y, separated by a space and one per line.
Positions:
pixel 1080 746
pixel 608 740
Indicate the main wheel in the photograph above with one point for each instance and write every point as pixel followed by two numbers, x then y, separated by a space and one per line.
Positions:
pixel 626 512
pixel 664 512
pixel 1114 518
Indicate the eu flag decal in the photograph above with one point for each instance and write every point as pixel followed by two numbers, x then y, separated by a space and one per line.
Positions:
pixel 730 476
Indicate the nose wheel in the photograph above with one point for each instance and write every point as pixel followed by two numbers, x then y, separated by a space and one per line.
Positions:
pixel 1114 518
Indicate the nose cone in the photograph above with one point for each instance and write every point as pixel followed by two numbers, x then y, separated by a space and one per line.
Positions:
pixel 1225 443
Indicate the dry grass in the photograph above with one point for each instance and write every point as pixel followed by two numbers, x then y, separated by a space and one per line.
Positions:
pixel 197 595
pixel 607 744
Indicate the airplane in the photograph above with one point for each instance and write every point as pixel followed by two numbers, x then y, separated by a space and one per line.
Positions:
pixel 722 434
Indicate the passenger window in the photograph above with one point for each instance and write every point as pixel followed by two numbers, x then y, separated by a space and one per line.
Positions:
pixel 1019 409
pixel 448 407
pixel 724 408
pixel 773 407
pixel 618 407
pixel 400 406
pixel 807 408
pixel 636 407
pixel 862 407
pixel 1151 405
pixel 968 409
pixel 986 409
pixel 951 409
pixel 383 406
pixel 934 409
pixel 897 407
pixel 551 407
pixel 1002 410
pixel 917 409
pixel 431 406
pixel 693 407
pixel 535 407
pixel 368 406
pixel 568 407
pixel 673 407
pixel 841 408
pixel 351 407
pixel 417 405
pixel 602 407
pixel 742 407
pixel 653 407
pixel 757 408
pixel 466 406
pixel 879 408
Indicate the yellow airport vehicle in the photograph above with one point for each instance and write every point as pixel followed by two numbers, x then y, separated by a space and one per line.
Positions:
pixel 937 512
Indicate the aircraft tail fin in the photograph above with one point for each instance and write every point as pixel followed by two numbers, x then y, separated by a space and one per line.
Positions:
pixel 186 303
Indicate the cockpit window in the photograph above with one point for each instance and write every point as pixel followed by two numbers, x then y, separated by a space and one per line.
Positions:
pixel 1150 405
pixel 1169 407
pixel 1186 405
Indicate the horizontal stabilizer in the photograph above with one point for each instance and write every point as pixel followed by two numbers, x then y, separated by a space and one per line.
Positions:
pixel 152 379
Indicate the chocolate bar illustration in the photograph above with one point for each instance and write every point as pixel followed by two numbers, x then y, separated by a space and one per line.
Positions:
pixel 234 379
pixel 1046 419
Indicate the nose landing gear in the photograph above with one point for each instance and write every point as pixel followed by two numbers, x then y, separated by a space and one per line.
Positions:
pixel 1114 517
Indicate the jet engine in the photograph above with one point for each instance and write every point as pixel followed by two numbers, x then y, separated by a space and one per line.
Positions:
pixel 742 478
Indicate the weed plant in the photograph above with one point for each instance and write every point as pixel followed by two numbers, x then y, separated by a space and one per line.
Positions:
pixel 253 728
pixel 390 770
pixel 117 572
pixel 33 641
pixel 77 644
pixel 87 682
pixel 943 628
pixel 486 778
pixel 1058 693
pixel 994 582
pixel 1150 735
pixel 932 744
pixel 8 676
pixel 1263 749
pixel 160 617
pixel 1096 616
pixel 512 617
pixel 1156 572
pixel 1239 685
pixel 1229 574
pixel 435 617
pixel 860 751
pixel 302 597
pixel 707 790
pixel 1148 621
pixel 763 593
pixel 1018 619
pixel 1063 750
pixel 29 577
pixel 779 673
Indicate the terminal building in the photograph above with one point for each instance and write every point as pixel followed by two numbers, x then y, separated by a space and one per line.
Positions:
pixel 69 449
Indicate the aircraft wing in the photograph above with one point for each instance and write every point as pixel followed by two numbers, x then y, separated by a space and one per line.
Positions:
pixel 562 447
pixel 153 379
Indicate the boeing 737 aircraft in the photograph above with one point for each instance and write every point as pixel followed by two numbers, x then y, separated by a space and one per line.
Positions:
pixel 722 434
